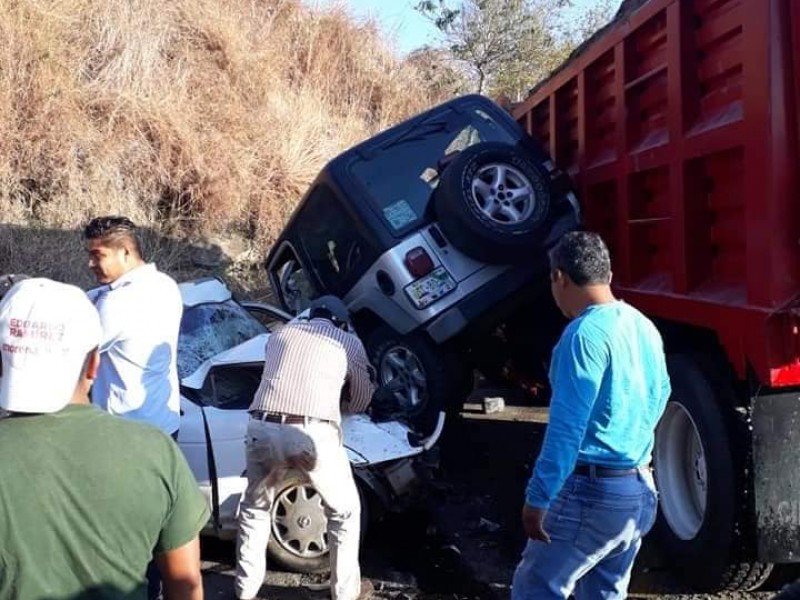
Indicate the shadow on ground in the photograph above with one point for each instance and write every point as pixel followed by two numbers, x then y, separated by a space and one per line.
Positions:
pixel 486 463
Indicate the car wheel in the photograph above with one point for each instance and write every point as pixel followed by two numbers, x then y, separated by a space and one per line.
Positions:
pixel 299 536
pixel 492 202
pixel 694 473
pixel 430 379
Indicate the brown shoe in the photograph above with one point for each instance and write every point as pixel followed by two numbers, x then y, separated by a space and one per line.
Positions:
pixel 367 588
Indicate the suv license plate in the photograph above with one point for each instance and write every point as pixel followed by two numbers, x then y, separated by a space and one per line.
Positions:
pixel 430 288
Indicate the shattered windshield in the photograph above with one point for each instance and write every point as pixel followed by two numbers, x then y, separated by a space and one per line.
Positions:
pixel 402 173
pixel 209 329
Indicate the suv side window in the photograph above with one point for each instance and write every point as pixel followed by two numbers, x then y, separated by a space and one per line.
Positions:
pixel 291 281
pixel 333 241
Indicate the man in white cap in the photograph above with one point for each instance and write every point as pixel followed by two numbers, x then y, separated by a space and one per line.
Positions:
pixel 310 367
pixel 87 499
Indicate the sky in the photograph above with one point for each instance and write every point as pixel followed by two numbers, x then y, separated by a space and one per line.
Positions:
pixel 401 21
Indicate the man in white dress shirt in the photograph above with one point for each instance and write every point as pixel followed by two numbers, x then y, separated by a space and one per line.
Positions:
pixel 140 311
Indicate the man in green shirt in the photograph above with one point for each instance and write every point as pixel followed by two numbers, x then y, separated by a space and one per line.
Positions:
pixel 87 499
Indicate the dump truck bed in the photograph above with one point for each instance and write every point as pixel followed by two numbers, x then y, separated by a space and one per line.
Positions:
pixel 679 125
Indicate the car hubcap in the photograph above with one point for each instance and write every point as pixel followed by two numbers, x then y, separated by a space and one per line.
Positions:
pixel 503 194
pixel 401 367
pixel 681 472
pixel 299 523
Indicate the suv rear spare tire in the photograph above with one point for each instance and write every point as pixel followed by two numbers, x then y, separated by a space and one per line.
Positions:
pixel 492 202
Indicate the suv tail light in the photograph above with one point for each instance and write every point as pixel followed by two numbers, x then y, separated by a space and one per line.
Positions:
pixel 418 262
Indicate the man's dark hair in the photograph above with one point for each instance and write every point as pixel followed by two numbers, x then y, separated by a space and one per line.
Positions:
pixel 584 257
pixel 113 231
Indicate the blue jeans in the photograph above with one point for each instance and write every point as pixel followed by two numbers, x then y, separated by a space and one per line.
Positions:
pixel 596 527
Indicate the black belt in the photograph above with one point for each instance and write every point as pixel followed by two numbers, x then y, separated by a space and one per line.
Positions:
pixel 271 417
pixel 586 470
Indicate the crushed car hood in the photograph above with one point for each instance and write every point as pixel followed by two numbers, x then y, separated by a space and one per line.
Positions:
pixel 370 443
pixel 251 351
pixel 367 442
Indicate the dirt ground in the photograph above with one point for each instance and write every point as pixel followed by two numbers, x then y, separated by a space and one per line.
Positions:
pixel 463 543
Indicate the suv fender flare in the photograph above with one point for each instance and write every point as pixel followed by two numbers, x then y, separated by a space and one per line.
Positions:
pixel 369 314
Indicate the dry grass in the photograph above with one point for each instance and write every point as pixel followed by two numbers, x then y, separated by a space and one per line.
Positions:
pixel 195 118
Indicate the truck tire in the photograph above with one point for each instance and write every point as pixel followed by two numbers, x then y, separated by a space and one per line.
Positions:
pixel 432 378
pixel 288 543
pixel 696 478
pixel 492 202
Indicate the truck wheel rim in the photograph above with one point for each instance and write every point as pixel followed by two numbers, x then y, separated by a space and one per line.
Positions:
pixel 401 364
pixel 680 471
pixel 503 194
pixel 299 523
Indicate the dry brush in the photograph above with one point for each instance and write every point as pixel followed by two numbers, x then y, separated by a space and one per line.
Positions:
pixel 196 118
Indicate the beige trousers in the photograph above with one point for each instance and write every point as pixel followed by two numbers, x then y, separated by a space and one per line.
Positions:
pixel 314 450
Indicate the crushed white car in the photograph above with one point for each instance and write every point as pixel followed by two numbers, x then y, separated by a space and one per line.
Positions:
pixel 220 357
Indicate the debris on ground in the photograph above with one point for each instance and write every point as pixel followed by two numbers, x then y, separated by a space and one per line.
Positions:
pixel 493 405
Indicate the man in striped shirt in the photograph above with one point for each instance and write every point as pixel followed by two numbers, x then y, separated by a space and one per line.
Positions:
pixel 312 371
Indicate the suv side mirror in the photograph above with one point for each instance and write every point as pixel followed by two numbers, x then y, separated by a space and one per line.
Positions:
pixel 294 288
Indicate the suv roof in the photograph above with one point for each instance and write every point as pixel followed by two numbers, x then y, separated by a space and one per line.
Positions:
pixel 337 173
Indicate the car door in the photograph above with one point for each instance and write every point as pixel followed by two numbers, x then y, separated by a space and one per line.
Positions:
pixel 228 392
pixel 220 355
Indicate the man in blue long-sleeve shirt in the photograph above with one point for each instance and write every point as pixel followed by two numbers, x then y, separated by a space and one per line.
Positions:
pixel 591 497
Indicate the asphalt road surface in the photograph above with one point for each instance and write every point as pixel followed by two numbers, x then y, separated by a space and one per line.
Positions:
pixel 464 539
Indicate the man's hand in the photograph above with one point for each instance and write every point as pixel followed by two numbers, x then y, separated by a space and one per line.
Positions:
pixel 533 523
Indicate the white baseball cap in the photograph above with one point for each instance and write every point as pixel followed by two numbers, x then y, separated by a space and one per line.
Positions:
pixel 46 331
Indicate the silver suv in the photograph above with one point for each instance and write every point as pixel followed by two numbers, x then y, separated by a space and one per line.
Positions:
pixel 435 233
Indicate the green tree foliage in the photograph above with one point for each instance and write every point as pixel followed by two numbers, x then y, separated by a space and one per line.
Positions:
pixel 506 46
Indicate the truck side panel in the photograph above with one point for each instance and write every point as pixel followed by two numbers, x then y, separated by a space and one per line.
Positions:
pixel 679 125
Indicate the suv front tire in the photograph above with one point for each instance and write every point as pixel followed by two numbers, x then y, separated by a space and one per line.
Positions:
pixel 432 379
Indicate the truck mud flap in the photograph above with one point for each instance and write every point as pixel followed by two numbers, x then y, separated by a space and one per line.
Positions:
pixel 776 462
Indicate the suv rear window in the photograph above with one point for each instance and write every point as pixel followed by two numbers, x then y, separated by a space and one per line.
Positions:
pixel 400 175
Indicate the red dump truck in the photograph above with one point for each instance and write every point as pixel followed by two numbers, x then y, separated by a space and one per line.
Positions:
pixel 679 125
